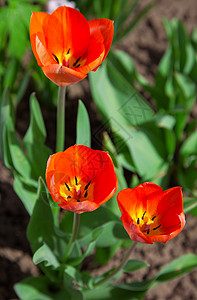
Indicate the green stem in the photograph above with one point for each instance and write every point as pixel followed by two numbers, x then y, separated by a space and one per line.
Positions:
pixel 60 119
pixel 121 265
pixel 75 229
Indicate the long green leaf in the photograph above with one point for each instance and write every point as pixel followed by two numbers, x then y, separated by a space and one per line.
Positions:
pixel 83 126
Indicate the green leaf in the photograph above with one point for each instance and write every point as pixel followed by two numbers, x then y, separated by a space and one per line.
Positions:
pixel 113 292
pixel 104 254
pixel 177 268
pixel 23 86
pixel 78 260
pixel 26 192
pixel 11 73
pixel 186 92
pixel 116 98
pixel 90 237
pixel 189 147
pixel 6 111
pixel 112 232
pixel 34 139
pixel 41 225
pixel 134 265
pixel 44 253
pixel 34 288
pixel 20 162
pixel 83 126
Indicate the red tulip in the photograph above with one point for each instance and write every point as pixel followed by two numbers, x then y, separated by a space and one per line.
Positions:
pixel 151 215
pixel 81 179
pixel 67 46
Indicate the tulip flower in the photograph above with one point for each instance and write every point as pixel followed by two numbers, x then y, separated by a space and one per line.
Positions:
pixel 81 179
pixel 150 214
pixel 67 46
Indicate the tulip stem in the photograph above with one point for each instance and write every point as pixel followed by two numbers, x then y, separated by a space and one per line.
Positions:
pixel 121 265
pixel 75 229
pixel 60 119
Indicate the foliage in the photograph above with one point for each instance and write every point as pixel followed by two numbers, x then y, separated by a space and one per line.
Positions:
pixel 158 146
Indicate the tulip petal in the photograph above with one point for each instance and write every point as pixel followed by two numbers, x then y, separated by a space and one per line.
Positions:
pixel 94 56
pixel 61 75
pixel 102 30
pixel 37 22
pixel 80 207
pixel 67 29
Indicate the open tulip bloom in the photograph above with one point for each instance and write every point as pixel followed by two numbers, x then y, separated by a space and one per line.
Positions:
pixel 67 46
pixel 150 214
pixel 81 179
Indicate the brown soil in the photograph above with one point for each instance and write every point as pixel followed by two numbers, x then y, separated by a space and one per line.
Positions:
pixel 146 45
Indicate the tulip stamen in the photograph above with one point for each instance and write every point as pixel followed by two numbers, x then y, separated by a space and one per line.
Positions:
pixel 87 185
pixel 78 200
pixel 75 180
pixel 154 218
pixel 157 227
pixel 143 215
pixel 138 221
pixel 77 66
pixel 148 231
pixel 68 197
pixel 57 60
pixel 67 186
pixel 86 193
pixel 76 62
pixel 68 51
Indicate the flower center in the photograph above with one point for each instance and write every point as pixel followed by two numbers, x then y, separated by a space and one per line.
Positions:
pixel 146 223
pixel 66 59
pixel 75 190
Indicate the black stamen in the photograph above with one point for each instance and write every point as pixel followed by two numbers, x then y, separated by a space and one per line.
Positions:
pixel 76 180
pixel 143 215
pixel 57 60
pixel 67 186
pixel 78 200
pixel 86 193
pixel 68 51
pixel 138 221
pixel 148 231
pixel 76 62
pixel 87 185
pixel 153 218
pixel 77 66
pixel 68 197
pixel 157 227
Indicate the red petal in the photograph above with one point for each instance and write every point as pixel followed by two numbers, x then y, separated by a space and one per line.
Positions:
pixel 61 75
pixel 171 203
pixel 166 237
pixel 67 29
pixel 145 196
pixel 80 207
pixel 95 56
pixel 101 31
pixel 37 36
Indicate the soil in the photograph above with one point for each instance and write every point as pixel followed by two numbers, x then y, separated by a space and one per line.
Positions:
pixel 146 44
